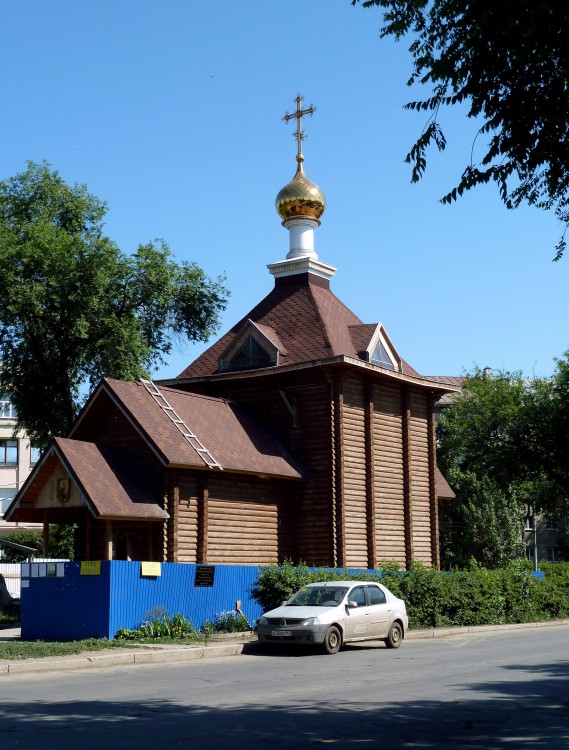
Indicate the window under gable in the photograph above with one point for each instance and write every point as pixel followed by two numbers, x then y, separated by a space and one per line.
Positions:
pixel 381 351
pixel 380 357
pixel 249 356
pixel 252 350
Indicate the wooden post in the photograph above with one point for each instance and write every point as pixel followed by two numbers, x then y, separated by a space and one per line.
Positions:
pixel 88 529
pixel 339 510
pixel 109 541
pixel 370 476
pixel 203 525
pixel 407 477
pixel 333 472
pixel 45 535
pixel 150 537
pixel 435 551
pixel 173 501
pixel 176 519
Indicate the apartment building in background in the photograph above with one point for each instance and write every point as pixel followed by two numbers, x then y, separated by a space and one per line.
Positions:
pixel 17 458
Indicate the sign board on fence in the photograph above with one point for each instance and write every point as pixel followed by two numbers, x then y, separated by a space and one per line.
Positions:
pixel 152 569
pixel 90 568
pixel 204 575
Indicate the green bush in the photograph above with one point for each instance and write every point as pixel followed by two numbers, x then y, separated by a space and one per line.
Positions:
pixel 60 543
pixel 159 625
pixel 277 583
pixel 227 622
pixel 476 596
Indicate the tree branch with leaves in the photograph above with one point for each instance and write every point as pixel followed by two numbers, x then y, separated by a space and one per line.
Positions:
pixel 508 63
pixel 75 308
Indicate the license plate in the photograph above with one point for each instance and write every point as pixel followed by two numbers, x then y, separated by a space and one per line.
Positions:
pixel 281 633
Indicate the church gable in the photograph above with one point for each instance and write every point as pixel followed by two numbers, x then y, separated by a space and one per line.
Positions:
pixel 381 352
pixel 256 346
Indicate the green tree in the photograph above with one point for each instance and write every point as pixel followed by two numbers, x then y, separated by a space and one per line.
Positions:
pixel 74 308
pixel 492 451
pixel 554 412
pixel 508 63
pixel 60 544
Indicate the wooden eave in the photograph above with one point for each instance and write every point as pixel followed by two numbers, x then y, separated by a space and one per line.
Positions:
pixel 241 472
pixel 340 360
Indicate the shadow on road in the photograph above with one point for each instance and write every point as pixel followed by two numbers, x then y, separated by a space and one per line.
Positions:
pixel 526 714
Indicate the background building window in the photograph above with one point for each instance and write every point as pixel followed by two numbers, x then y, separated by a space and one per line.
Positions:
pixel 7 409
pixel 9 452
pixel 6 497
pixel 35 453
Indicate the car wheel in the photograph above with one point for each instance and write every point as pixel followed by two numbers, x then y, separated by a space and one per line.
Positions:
pixel 395 636
pixel 332 641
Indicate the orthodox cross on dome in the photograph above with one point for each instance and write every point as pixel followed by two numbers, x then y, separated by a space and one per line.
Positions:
pixel 299 114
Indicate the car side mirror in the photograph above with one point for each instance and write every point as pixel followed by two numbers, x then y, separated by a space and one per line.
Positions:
pixel 352 605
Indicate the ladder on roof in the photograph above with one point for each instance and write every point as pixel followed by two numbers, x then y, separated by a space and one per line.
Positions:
pixel 176 420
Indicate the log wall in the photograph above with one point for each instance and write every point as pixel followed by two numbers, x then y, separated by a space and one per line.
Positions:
pixel 299 408
pixel 367 446
pixel 389 473
pixel 385 451
pixel 420 476
pixel 234 519
pixel 354 470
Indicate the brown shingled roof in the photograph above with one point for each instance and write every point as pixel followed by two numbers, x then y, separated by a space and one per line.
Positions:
pixel 443 488
pixel 236 440
pixel 102 473
pixel 309 320
pixel 103 478
pixel 457 382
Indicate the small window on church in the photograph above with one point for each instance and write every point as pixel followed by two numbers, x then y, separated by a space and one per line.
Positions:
pixel 250 356
pixel 381 357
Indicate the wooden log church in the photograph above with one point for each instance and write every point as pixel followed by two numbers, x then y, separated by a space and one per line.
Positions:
pixel 300 433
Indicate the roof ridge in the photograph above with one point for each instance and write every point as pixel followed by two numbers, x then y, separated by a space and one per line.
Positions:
pixel 325 333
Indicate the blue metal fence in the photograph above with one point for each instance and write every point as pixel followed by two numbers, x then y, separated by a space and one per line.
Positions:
pixel 62 604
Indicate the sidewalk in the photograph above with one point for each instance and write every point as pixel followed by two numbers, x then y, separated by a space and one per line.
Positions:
pixel 225 645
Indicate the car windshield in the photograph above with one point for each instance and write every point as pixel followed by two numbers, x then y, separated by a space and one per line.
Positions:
pixel 318 596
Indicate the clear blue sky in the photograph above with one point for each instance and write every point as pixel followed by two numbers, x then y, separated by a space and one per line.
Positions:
pixel 171 113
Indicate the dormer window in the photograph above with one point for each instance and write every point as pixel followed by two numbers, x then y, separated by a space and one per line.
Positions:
pixel 256 346
pixel 381 351
pixel 249 356
pixel 380 357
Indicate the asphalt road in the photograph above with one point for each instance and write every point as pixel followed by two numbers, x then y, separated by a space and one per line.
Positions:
pixel 497 690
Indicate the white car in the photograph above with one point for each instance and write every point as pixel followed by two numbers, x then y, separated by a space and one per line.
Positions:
pixel 334 613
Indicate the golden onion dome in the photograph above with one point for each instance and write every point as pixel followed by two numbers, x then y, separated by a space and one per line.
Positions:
pixel 300 198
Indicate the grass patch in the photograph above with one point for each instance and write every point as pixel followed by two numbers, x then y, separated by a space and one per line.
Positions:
pixel 38 649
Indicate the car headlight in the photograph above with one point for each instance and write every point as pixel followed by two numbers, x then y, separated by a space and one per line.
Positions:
pixel 262 621
pixel 311 621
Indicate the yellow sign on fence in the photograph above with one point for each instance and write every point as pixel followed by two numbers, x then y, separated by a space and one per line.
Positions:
pixel 150 569
pixel 90 568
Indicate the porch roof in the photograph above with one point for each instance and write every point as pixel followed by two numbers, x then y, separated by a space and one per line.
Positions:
pixel 107 488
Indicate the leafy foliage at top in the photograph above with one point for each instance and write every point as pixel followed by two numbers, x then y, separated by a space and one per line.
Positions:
pixel 508 62
pixel 74 308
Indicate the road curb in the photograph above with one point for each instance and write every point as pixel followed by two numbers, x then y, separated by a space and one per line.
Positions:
pixel 182 654
pixel 445 632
